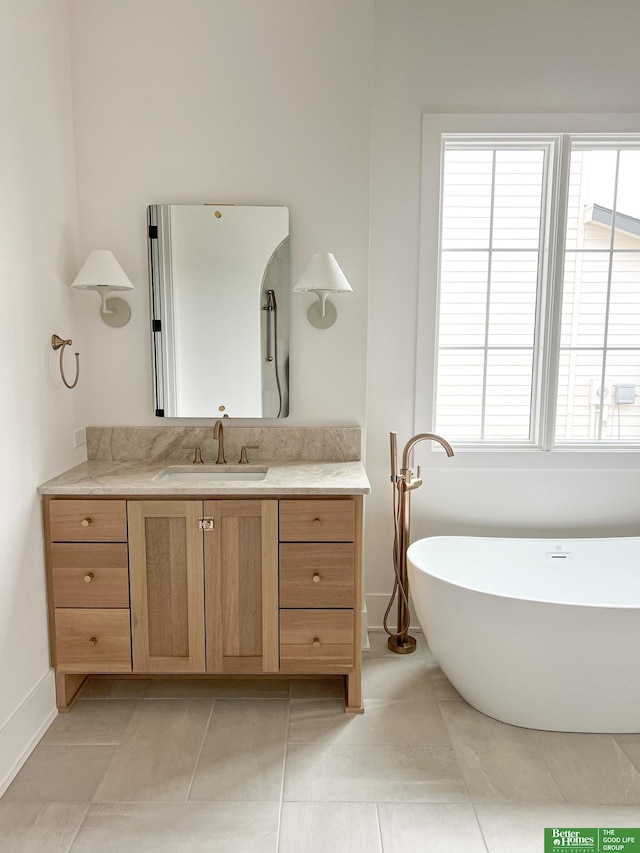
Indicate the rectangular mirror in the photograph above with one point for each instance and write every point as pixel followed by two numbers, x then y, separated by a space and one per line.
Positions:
pixel 220 287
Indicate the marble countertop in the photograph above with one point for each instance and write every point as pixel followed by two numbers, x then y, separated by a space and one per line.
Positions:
pixel 282 478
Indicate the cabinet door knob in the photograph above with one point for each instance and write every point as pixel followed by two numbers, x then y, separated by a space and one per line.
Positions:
pixel 316 643
pixel 86 522
pixel 88 578
pixel 316 522
pixel 316 578
pixel 93 640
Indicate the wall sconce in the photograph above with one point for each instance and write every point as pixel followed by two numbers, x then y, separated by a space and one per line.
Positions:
pixel 323 276
pixel 102 273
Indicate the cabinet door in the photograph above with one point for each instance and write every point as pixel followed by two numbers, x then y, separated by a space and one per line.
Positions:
pixel 167 586
pixel 241 577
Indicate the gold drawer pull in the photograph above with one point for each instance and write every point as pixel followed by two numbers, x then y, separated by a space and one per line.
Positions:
pixel 316 578
pixel 316 522
pixel 88 578
pixel 86 522
pixel 93 640
pixel 316 643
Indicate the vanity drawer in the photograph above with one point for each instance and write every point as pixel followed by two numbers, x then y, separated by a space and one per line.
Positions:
pixel 93 640
pixel 90 575
pixel 317 521
pixel 317 574
pixel 88 521
pixel 315 640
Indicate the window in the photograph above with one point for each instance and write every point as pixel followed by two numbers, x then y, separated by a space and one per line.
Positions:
pixel 538 311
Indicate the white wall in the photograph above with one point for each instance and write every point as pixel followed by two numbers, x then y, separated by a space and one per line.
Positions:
pixel 247 102
pixel 495 56
pixel 37 253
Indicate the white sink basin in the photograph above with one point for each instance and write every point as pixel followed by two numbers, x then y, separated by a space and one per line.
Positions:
pixel 211 474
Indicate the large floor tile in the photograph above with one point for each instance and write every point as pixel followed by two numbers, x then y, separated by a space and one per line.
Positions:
pixel 500 763
pixel 114 688
pixel 589 769
pixel 443 689
pixel 60 774
pixel 370 773
pixel 158 755
pixel 404 677
pixel 102 721
pixel 324 720
pixel 440 684
pixel 630 745
pixel 520 828
pixel 218 688
pixel 430 828
pixel 179 828
pixel 39 827
pixel 335 827
pixel 242 756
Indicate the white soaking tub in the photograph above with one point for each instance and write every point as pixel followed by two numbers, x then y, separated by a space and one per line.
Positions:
pixel 541 633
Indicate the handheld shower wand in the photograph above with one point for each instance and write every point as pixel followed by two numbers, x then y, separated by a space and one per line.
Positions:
pixel 403 484
pixel 272 340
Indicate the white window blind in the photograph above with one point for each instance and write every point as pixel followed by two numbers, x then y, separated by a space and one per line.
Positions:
pixel 511 368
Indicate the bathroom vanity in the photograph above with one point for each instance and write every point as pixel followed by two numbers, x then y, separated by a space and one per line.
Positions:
pixel 152 574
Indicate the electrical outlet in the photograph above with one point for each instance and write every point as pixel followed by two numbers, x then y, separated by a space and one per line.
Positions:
pixel 79 437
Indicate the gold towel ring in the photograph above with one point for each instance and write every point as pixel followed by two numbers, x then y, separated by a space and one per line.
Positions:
pixel 58 343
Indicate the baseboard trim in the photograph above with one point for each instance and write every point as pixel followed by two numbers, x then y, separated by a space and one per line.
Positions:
pixel 22 732
pixel 376 604
pixel 365 628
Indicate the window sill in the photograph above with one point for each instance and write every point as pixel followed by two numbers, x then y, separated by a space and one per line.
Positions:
pixel 529 457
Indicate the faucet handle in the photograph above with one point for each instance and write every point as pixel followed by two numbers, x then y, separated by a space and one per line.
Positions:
pixel 197 456
pixel 244 459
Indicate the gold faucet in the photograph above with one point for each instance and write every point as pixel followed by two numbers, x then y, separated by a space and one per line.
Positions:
pixel 409 482
pixel 218 434
pixel 403 484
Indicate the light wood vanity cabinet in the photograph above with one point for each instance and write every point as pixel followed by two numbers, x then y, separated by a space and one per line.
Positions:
pixel 167 586
pixel 185 553
pixel 320 589
pixel 88 590
pixel 241 586
pixel 197 586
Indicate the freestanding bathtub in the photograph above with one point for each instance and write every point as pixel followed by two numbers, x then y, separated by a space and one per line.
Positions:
pixel 540 633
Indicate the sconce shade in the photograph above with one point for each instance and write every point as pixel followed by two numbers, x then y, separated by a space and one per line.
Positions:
pixel 102 272
pixel 323 276
pixel 323 273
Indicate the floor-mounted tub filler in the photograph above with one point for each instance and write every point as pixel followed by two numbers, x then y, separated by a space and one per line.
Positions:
pixel 404 482
pixel 540 633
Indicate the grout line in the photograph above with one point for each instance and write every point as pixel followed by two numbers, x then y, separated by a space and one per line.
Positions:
pixel 475 814
pixel 80 825
pixel 284 770
pixel 464 782
pixel 204 737
pixel 546 766
pixel 379 828
pixel 67 744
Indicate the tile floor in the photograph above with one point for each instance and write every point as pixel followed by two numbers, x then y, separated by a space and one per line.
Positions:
pixel 275 765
